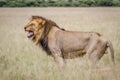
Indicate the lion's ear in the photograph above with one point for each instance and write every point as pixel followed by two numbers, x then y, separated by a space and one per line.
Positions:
pixel 35 17
pixel 43 22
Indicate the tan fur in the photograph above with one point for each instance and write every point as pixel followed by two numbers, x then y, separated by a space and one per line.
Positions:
pixel 63 44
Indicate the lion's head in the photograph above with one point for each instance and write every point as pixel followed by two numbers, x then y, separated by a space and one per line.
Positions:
pixel 38 29
pixel 34 26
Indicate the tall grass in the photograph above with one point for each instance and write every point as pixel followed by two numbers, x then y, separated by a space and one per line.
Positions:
pixel 21 59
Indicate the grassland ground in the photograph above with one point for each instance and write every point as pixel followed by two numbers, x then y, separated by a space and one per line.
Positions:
pixel 21 59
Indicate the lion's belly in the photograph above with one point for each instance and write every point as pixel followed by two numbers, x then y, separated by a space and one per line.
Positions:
pixel 74 54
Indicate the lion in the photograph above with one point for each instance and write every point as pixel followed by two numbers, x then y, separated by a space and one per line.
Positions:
pixel 62 44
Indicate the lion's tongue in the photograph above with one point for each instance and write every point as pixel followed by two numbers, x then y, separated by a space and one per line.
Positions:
pixel 30 34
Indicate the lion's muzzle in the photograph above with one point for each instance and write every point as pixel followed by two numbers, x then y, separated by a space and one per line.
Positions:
pixel 29 32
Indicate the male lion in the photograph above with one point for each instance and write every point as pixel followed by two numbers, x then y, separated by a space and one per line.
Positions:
pixel 63 44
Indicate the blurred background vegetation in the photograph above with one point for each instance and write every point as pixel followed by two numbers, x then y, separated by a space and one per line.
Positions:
pixel 58 3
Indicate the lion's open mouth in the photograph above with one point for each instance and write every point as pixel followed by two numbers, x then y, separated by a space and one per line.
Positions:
pixel 30 34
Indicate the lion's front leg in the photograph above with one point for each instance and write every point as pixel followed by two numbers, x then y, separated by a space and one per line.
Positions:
pixel 59 60
pixel 58 57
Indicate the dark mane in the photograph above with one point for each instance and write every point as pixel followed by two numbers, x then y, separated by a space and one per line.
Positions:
pixel 44 38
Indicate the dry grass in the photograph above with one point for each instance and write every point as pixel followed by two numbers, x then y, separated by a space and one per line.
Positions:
pixel 20 59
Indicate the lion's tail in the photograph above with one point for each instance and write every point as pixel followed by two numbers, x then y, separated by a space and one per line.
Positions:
pixel 110 46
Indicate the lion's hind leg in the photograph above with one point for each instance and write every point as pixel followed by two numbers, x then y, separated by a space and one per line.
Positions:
pixel 94 57
pixel 96 52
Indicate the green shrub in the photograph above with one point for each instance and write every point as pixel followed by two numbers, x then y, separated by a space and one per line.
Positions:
pixel 104 2
pixel 2 3
pixel 58 3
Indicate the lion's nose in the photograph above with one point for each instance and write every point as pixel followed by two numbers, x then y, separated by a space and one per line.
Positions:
pixel 24 28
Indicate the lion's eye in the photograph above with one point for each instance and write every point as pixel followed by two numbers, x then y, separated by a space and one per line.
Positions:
pixel 32 24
